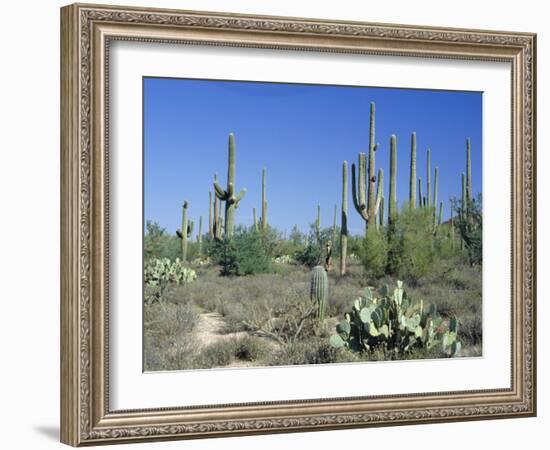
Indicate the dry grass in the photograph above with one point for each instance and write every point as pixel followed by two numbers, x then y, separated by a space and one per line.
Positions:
pixel 172 331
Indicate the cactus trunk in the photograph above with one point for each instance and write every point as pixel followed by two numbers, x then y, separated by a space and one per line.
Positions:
pixel 344 220
pixel 255 220
pixel 228 195
pixel 210 216
pixel 184 225
pixel 412 177
pixel 199 236
pixel 371 179
pixel 436 176
pixel 420 192
pixel 319 291
pixel 429 175
pixel 392 211
pixel 334 225
pixel 264 203
pixel 440 216
pixel 318 224
pixel 468 175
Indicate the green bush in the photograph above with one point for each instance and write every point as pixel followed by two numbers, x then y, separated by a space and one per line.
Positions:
pixel 243 254
pixel 470 227
pixel 374 254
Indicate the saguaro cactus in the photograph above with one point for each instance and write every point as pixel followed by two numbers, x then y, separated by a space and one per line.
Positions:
pixel 255 220
pixel 468 175
pixel 199 236
pixel 264 203
pixel 228 195
pixel 334 224
pixel 186 230
pixel 440 216
pixel 318 224
pixel 344 220
pixel 380 197
pixel 412 179
pixel 216 223
pixel 420 205
pixel 210 216
pixel 363 196
pixel 318 291
pixel 436 176
pixel 392 211
pixel 428 175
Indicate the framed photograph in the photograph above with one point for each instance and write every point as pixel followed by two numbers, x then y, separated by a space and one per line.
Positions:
pixel 276 224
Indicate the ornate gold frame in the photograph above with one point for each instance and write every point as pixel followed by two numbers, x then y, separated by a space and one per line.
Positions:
pixel 86 31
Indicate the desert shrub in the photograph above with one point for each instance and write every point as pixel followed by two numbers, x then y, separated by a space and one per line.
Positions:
pixel 470 227
pixel 217 354
pixel 313 252
pixel 243 254
pixel 374 254
pixel 250 348
pixel 311 351
pixel 157 243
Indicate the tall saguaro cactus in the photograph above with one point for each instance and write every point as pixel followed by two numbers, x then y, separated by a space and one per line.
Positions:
pixel 412 179
pixel 363 183
pixel 334 225
pixel 344 220
pixel 436 176
pixel 468 174
pixel 255 220
pixel 186 230
pixel 392 211
pixel 318 224
pixel 420 205
pixel 428 179
pixel 199 236
pixel 216 222
pixel 228 195
pixel 210 216
pixel 264 203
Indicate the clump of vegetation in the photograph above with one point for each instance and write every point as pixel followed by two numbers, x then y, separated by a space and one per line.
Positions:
pixel 395 325
pixel 243 254
pixel 158 273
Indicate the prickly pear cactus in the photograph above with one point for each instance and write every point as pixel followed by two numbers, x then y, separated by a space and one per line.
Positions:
pixel 158 273
pixel 319 291
pixel 392 322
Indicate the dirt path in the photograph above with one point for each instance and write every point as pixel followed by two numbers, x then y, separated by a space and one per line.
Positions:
pixel 211 329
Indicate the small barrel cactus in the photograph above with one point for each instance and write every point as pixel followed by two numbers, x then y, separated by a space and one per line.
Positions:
pixel 319 291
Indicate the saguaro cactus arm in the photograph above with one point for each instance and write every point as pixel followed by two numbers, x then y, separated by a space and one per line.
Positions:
pixel 392 211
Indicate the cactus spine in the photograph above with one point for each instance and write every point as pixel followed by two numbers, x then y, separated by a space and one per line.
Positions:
pixel 364 197
pixel 380 198
pixel 392 211
pixel 264 204
pixel 344 220
pixel 412 179
pixel 228 195
pixel 318 291
pixel 428 174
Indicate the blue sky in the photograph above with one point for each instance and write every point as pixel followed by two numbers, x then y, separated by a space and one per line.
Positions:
pixel 300 134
